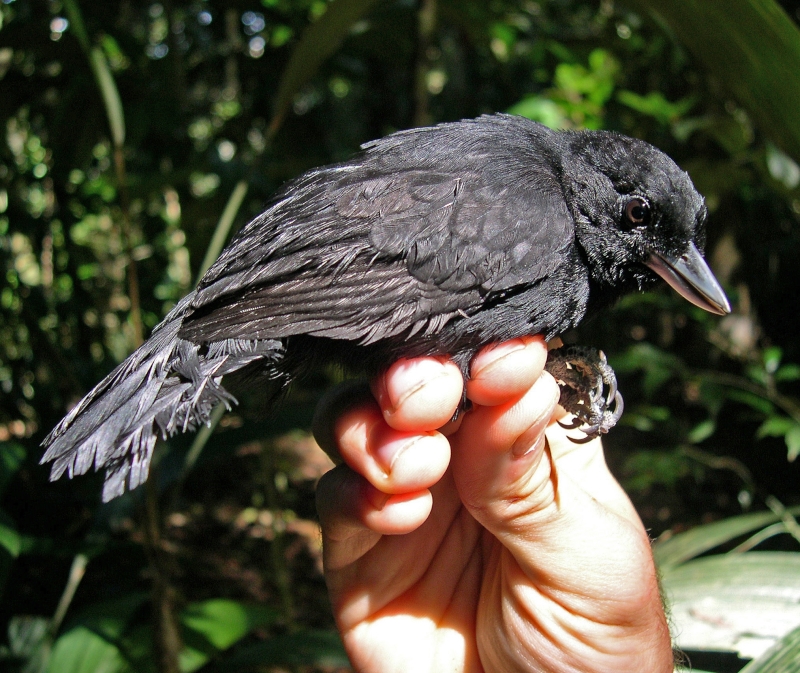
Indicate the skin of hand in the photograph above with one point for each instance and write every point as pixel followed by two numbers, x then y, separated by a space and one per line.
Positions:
pixel 493 543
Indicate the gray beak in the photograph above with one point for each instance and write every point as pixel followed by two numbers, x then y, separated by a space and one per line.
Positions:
pixel 691 278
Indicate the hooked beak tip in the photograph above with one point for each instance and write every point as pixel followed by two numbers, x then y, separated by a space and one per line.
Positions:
pixel 690 276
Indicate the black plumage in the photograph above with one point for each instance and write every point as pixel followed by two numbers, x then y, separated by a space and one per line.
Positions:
pixel 430 241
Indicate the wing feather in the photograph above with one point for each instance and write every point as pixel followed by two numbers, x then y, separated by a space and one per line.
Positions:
pixel 421 228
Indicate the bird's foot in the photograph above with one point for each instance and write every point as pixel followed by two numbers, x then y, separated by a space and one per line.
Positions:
pixel 588 388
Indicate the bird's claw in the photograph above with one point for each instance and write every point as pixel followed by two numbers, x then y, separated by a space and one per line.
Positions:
pixel 588 389
pixel 572 425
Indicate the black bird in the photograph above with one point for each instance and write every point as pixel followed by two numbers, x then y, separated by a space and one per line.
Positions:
pixel 430 241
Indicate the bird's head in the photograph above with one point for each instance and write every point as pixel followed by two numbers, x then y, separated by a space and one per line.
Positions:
pixel 638 214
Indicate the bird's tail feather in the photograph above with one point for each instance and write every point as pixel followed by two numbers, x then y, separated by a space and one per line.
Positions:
pixel 168 385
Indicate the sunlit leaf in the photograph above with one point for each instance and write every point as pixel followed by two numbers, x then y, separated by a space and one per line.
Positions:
pixel 81 650
pixel 775 426
pixel 772 358
pixel 217 624
pixel 702 431
pixel 782 167
pixel 780 658
pixel 792 439
pixel 672 550
pixel 741 603
pixel 542 110
pixel 655 105
pixel 223 621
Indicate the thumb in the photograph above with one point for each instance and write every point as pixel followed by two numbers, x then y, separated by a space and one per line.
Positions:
pixel 501 468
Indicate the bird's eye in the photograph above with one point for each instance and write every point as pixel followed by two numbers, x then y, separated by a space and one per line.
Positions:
pixel 637 212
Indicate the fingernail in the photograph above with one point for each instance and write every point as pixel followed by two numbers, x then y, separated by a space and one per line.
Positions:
pixel 522 447
pixel 489 357
pixel 388 447
pixel 407 378
pixel 379 392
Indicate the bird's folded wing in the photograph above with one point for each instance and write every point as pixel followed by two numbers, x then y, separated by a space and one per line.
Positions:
pixel 383 245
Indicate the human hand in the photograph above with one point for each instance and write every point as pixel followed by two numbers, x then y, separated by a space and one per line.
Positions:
pixel 492 544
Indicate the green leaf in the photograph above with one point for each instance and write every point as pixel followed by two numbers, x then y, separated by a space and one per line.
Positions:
pixel 321 39
pixel 792 439
pixel 305 648
pixel 643 469
pixel 223 227
pixel 760 404
pixel 739 603
pixel 542 110
pixel 223 621
pixel 702 431
pixel 782 426
pixel 674 550
pixel 655 105
pixel 658 366
pixel 111 618
pixel 11 544
pixel 790 372
pixel 81 650
pixel 644 417
pixel 785 170
pixel 26 634
pixel 782 657
pixel 217 624
pixel 753 48
pixel 10 540
pixel 110 93
pixel 11 456
pixel 772 357
pixel 775 426
pixel 76 23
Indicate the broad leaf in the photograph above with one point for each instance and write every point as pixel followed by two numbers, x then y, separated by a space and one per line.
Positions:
pixel 675 550
pixel 305 648
pixel 742 603
pixel 753 47
pixel 81 650
pixel 319 41
pixel 780 658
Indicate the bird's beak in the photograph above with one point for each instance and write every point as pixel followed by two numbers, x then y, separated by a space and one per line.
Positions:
pixel 691 278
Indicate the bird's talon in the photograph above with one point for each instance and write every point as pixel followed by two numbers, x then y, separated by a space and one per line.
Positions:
pixel 613 394
pixel 588 390
pixel 576 423
pixel 582 440
pixel 593 430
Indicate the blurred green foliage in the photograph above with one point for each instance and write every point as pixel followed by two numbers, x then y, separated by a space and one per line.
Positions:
pixel 134 131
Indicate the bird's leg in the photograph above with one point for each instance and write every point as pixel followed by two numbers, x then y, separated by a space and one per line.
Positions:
pixel 464 406
pixel 463 361
pixel 588 388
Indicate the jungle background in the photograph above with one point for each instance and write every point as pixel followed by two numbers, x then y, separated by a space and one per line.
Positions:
pixel 137 135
